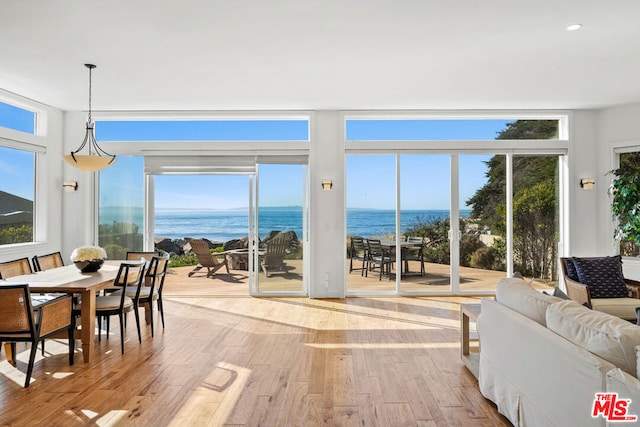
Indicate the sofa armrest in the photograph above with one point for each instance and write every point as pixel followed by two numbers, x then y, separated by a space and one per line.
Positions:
pixel 634 287
pixel 577 291
pixel 627 387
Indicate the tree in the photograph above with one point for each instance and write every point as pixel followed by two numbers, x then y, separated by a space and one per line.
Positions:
pixel 534 199
pixel 625 203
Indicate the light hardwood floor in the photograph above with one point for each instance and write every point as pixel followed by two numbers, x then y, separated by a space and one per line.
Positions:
pixel 242 361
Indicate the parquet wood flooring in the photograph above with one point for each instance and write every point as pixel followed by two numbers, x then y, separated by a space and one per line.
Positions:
pixel 242 361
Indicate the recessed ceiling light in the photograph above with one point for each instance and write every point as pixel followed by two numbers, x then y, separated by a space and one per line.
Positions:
pixel 574 27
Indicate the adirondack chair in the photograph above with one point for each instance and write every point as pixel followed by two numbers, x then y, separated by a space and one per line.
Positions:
pixel 206 258
pixel 273 258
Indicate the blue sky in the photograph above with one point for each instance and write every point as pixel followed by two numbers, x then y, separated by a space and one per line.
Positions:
pixel 370 179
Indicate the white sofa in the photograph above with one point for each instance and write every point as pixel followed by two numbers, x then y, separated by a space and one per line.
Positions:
pixel 543 359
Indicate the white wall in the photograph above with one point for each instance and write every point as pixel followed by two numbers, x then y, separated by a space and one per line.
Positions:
pixel 327 218
pixel 615 125
pixel 583 163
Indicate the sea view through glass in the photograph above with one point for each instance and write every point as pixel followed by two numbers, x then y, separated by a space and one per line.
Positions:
pixel 227 224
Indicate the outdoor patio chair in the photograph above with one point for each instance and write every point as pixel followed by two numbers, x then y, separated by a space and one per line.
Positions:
pixel 17 267
pixel 47 262
pixel 206 259
pixel 378 258
pixel 273 258
pixel 414 253
pixel 20 321
pixel 357 252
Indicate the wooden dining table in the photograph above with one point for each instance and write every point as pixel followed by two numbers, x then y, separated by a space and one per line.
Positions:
pixel 70 279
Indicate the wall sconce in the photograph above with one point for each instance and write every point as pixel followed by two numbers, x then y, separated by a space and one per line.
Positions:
pixel 327 184
pixel 70 186
pixel 587 183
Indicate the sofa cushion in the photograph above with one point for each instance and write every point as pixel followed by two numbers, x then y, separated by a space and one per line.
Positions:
pixel 519 296
pixel 624 308
pixel 609 337
pixel 603 276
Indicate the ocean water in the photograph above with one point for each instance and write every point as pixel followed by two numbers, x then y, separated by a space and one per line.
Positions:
pixel 223 225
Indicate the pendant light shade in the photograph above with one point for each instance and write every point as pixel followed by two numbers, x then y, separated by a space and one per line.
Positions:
pixel 96 158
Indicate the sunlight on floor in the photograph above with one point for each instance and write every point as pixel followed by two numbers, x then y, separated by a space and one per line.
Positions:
pixel 388 346
pixel 213 402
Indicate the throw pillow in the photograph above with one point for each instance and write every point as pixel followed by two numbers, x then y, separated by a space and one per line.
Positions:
pixel 572 273
pixel 603 276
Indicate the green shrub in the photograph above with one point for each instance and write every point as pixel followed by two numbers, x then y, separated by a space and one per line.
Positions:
pixel 183 260
pixel 20 234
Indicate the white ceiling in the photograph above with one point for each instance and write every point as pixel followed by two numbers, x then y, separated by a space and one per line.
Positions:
pixel 322 54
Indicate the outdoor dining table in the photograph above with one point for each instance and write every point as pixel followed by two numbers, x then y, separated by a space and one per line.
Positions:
pixel 70 279
pixel 390 245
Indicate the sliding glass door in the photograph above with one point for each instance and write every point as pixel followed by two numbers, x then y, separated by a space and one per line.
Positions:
pixel 279 229
pixel 425 219
pixel 371 215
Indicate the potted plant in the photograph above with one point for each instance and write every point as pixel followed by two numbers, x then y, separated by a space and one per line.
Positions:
pixel 625 203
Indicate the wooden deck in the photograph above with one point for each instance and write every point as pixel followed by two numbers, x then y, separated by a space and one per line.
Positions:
pixel 436 279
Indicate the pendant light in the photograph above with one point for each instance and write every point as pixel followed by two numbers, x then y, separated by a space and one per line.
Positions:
pixel 97 158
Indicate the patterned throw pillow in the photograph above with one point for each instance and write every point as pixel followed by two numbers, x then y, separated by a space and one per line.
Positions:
pixel 602 275
pixel 572 273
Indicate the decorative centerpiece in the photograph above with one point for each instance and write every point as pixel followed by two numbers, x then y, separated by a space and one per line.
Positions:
pixel 88 259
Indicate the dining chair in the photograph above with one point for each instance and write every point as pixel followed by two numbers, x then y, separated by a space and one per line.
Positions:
pixel 358 252
pixel 136 255
pixel 130 273
pixel 414 253
pixel 151 290
pixel 47 262
pixel 17 267
pixel 20 321
pixel 377 256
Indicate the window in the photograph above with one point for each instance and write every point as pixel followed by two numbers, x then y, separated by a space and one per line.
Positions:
pixel 458 218
pixel 203 130
pixel 16 118
pixel 17 176
pixel 629 162
pixel 17 195
pixel 120 217
pixel 451 130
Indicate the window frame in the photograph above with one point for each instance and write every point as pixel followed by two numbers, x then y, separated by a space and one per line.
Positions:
pixel 616 149
pixel 507 147
pixel 35 143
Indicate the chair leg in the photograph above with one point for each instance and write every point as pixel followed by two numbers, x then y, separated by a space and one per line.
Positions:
pixel 121 317
pixel 99 328
pixel 151 316
pixel 14 358
pixel 108 326
pixel 32 357
pixel 135 312
pixel 161 310
pixel 72 343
